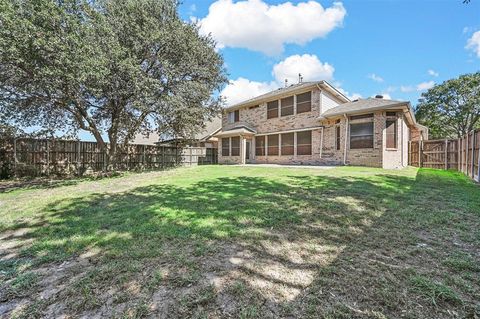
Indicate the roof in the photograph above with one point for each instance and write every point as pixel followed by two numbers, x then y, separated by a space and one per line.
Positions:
pixel 373 104
pixel 210 129
pixel 290 89
pixel 238 130
pixel 151 139
pixel 363 105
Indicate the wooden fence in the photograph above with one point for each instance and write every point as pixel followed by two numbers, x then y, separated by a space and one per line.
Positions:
pixel 36 157
pixel 462 154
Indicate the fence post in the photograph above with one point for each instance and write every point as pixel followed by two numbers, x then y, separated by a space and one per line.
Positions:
pixel 143 157
pixel 473 153
pixel 459 154
pixel 15 157
pixel 78 158
pixel 48 158
pixel 446 154
pixel 163 156
pixel 420 153
pixel 190 155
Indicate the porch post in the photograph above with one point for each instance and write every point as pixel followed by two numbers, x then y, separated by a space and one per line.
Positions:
pixel 243 149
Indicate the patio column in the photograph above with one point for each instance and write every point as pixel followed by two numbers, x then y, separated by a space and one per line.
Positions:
pixel 243 149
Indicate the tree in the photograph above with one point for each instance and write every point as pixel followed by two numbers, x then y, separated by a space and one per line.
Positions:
pixel 451 109
pixel 114 68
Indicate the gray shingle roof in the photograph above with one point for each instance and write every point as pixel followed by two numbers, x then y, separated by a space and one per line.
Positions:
pixel 370 104
pixel 289 89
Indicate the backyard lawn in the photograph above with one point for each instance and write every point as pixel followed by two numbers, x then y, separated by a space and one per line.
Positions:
pixel 244 242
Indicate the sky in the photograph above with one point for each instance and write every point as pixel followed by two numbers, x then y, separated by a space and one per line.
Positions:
pixel 396 48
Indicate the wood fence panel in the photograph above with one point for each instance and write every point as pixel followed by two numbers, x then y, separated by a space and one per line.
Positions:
pixel 462 154
pixel 34 157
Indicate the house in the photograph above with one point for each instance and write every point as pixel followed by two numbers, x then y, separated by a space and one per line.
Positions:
pixel 313 123
pixel 203 138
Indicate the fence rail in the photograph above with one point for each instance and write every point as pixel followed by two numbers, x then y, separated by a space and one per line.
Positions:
pixel 36 157
pixel 462 154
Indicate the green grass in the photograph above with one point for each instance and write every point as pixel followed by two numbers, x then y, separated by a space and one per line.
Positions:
pixel 246 242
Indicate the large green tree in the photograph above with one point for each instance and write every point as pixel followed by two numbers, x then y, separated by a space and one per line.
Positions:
pixel 114 68
pixel 451 109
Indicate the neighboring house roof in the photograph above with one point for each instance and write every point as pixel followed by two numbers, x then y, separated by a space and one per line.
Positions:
pixel 289 90
pixel 151 139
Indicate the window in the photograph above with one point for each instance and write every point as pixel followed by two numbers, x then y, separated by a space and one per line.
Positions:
pixel 337 137
pixel 236 146
pixel 234 116
pixel 260 146
pixel 361 135
pixel 304 102
pixel 391 134
pixel 272 109
pixel 287 144
pixel 226 146
pixel 287 106
pixel 272 144
pixel 304 143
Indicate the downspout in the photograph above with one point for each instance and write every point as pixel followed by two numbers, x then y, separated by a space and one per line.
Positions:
pixel 321 144
pixel 345 146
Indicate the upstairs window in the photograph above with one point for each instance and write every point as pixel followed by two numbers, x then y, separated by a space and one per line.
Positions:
pixel 235 146
pixel 272 109
pixel 304 143
pixel 234 116
pixel 304 102
pixel 391 134
pixel 287 144
pixel 260 145
pixel 287 106
pixel 226 146
pixel 361 135
pixel 272 145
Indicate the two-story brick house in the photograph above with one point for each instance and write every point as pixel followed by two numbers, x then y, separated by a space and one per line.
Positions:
pixel 313 123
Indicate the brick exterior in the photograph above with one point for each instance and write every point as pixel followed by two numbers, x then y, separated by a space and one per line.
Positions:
pixel 324 150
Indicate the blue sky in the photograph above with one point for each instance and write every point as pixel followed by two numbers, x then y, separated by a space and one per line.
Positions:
pixel 373 47
pixel 397 48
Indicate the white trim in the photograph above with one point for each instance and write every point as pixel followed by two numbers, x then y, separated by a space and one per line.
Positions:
pixel 290 131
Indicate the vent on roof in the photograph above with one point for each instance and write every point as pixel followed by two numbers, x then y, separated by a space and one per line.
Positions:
pixel 356 100
pixel 379 96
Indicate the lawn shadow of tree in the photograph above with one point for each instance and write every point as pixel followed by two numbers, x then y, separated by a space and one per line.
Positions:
pixel 300 246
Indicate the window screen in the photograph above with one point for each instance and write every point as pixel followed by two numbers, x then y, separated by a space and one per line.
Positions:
pixel 337 137
pixel 272 144
pixel 304 102
pixel 361 135
pixel 226 146
pixel 391 134
pixel 260 145
pixel 287 144
pixel 272 109
pixel 304 143
pixel 287 106
pixel 236 146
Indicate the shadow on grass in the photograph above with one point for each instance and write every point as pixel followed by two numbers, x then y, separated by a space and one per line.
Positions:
pixel 353 239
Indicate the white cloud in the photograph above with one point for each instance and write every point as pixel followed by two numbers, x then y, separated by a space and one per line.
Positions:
pixel 242 89
pixel 258 26
pixel 375 77
pixel 311 68
pixel 407 88
pixel 433 73
pixel 474 43
pixel 425 85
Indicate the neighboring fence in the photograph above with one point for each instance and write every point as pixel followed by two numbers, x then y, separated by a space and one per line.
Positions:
pixel 35 157
pixel 461 154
